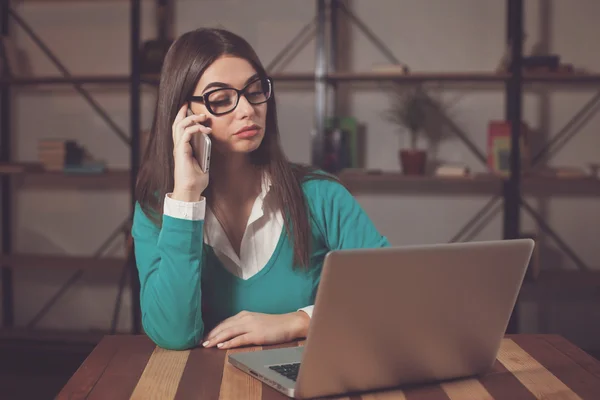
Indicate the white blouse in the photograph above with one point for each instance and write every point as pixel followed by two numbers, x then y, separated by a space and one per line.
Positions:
pixel 262 233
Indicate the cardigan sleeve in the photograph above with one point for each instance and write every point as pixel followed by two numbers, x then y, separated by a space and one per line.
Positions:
pixel 169 261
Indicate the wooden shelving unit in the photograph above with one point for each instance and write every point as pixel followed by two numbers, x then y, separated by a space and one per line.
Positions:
pixel 52 261
pixel 358 181
pixel 396 182
pixel 33 175
pixel 109 180
pixel 419 77
pixel 61 80
pixel 437 77
pixel 15 175
pixel 514 83
pixel 563 79
pixel 364 76
pixel 585 186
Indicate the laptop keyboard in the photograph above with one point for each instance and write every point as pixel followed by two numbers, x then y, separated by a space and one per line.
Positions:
pixel 290 371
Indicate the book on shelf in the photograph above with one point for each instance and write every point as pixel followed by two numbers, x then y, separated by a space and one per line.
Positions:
pixel 342 144
pixel 385 69
pixel 499 147
pixel 55 154
pixel 452 171
pixel 19 167
pixel 64 155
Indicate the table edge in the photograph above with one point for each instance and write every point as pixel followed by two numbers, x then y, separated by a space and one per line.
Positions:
pixel 112 343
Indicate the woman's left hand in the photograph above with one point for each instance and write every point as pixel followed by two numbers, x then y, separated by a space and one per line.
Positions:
pixel 249 328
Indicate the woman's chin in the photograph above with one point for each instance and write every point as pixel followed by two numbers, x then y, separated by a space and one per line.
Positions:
pixel 237 145
pixel 245 145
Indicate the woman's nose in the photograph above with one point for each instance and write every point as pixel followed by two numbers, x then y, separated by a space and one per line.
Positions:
pixel 245 107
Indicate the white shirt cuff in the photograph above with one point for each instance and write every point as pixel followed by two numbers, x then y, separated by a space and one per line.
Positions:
pixel 193 211
pixel 308 310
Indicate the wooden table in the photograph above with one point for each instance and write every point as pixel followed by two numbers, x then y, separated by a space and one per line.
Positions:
pixel 132 367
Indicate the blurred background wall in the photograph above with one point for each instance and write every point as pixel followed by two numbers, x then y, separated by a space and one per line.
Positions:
pixel 92 37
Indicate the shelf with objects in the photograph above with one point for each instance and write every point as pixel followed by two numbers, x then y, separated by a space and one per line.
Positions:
pixel 506 178
pixel 64 164
pixel 505 190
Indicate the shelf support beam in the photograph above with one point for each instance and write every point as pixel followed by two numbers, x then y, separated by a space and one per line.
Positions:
pixel 579 120
pixel 135 112
pixel 483 214
pixel 557 239
pixel 5 13
pixel 513 116
pixel 122 282
pixel 333 60
pixel 464 138
pixel 76 276
pixel 512 195
pixel 318 134
pixel 377 42
pixel 298 42
pixel 5 150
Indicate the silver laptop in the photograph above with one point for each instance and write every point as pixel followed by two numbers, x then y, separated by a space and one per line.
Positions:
pixel 402 315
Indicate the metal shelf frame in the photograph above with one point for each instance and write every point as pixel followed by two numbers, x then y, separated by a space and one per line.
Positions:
pixel 5 156
pixel 327 80
pixel 129 270
pixel 515 82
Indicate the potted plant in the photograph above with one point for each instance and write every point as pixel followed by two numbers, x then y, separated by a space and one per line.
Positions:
pixel 415 111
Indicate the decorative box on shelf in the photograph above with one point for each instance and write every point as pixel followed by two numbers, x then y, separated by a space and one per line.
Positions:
pixel 499 147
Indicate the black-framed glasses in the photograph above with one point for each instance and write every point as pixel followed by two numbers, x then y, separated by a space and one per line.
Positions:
pixel 224 100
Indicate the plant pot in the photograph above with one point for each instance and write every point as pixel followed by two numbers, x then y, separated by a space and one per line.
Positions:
pixel 413 161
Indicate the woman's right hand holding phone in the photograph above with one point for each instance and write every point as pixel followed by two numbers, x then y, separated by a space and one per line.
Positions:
pixel 190 181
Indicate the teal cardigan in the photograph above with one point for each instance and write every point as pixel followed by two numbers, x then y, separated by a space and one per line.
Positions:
pixel 185 291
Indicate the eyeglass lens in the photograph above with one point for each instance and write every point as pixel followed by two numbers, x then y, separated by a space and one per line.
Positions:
pixel 225 100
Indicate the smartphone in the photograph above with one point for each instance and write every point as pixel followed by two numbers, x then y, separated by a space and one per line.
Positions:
pixel 201 146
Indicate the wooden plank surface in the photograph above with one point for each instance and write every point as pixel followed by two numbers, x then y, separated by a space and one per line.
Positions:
pixel 201 385
pixel 532 374
pixel 124 370
pixel 239 386
pixel 130 367
pixel 501 378
pixel 162 374
pixel 585 361
pixel 583 383
pixel 91 370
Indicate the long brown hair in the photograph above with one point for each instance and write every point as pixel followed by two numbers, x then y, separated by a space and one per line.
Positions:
pixel 184 64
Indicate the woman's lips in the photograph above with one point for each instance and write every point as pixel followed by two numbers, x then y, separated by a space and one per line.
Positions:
pixel 248 132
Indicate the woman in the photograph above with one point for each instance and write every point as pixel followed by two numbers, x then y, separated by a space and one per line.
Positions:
pixel 237 261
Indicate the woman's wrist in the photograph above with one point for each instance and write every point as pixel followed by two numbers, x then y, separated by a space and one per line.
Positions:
pixel 302 324
pixel 186 195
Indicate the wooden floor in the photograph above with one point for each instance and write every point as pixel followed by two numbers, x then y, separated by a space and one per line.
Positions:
pixel 33 370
